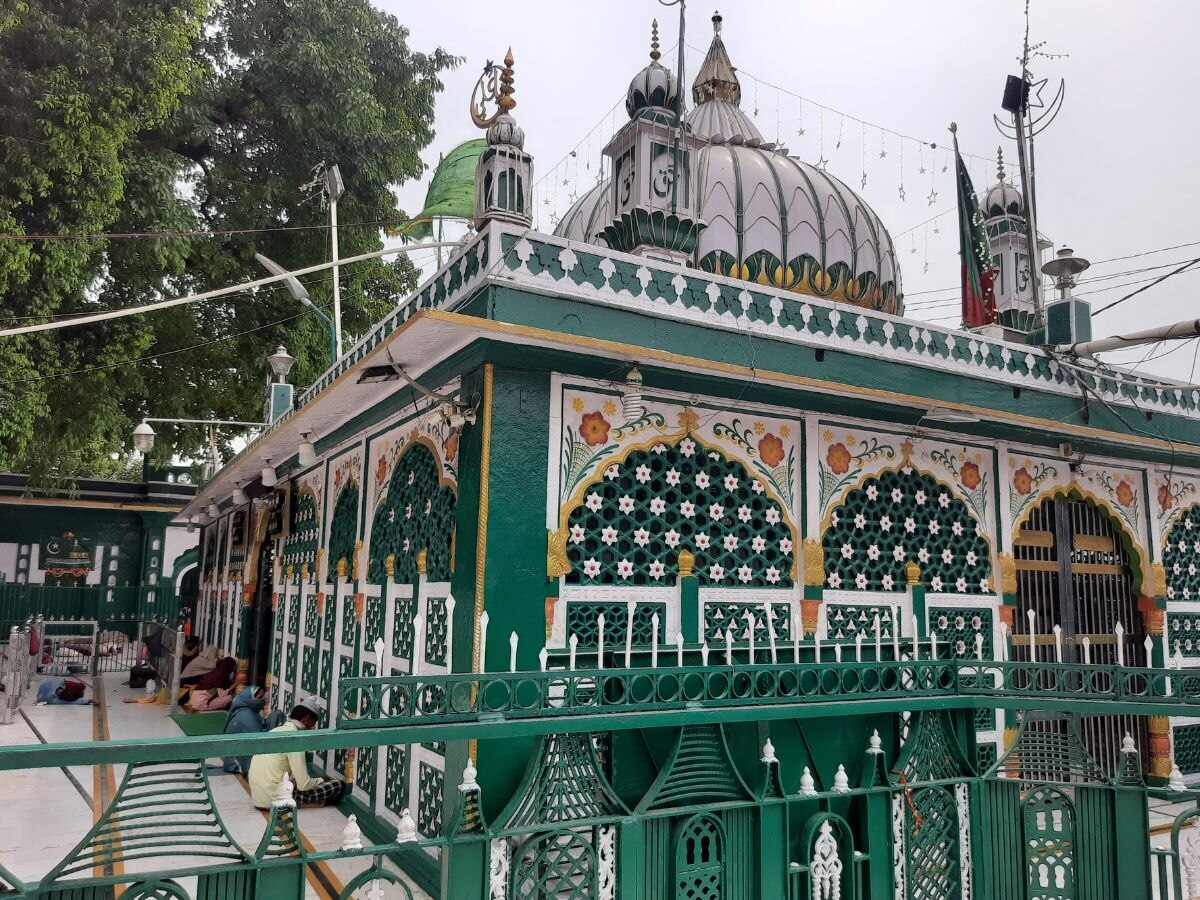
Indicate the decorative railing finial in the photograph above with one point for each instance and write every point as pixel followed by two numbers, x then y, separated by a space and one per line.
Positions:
pixel 654 54
pixel 912 572
pixel 495 85
pixel 687 563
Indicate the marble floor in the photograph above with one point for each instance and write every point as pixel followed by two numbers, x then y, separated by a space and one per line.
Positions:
pixel 44 813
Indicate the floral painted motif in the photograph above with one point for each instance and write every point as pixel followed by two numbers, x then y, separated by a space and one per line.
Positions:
pixel 1171 501
pixel 841 466
pixel 1116 487
pixel 770 450
pixel 839 459
pixel 594 429
pixel 966 471
pixel 1124 494
pixel 1025 482
pixel 433 430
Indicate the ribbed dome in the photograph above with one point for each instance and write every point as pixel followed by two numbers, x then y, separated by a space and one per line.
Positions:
pixel 655 87
pixel 1003 199
pixel 722 119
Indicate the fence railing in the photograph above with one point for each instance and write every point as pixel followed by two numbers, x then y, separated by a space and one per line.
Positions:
pixel 18 666
pixel 19 602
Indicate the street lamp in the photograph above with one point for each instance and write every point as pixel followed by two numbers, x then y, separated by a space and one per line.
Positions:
pixel 143 437
pixel 300 293
pixel 143 434
pixel 281 363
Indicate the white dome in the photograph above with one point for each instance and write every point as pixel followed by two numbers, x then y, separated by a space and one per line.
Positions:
pixel 1002 199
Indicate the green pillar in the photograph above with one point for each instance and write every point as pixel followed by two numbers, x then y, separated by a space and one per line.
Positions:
pixel 631 859
pixel 772 850
pixel 689 599
pixel 877 878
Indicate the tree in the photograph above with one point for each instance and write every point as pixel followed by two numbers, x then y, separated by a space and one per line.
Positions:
pixel 279 88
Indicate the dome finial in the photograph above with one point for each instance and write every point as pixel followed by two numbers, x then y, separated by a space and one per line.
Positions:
pixel 654 54
pixel 507 101
pixel 999 163
pixel 716 20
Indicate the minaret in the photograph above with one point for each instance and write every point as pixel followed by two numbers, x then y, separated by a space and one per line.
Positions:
pixel 1003 209
pixel 504 174
pixel 652 215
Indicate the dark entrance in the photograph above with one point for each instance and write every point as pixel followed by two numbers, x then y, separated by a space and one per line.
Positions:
pixel 1073 571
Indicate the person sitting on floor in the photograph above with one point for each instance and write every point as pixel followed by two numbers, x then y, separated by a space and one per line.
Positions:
pixel 63 690
pixel 246 717
pixel 214 690
pixel 267 769
pixel 205 661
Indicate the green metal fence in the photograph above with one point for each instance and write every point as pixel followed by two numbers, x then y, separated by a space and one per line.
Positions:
pixel 19 602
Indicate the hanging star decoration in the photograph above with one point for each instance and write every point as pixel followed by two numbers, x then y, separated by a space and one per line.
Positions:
pixel 931 196
pixel 822 163
pixel 882 152
pixel 864 180
pixel 936 230
pixel 925 270
pixel 921 171
pixel 903 195
pixel 800 131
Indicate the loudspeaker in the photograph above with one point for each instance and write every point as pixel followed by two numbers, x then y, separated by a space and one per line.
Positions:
pixel 1016 94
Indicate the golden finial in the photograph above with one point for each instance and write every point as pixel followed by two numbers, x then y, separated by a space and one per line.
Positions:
pixel 654 54
pixel 687 563
pixel 423 561
pixel 999 163
pixel 912 572
pixel 303 572
pixel 341 567
pixel 389 565
pixel 506 101
pixel 355 560
pixel 291 570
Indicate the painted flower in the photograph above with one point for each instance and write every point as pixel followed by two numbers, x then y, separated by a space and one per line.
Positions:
pixel 641 537
pixel 657 570
pixel 609 535
pixel 910 524
pixel 969 476
pixel 872 492
pixel 947 556
pixel 577 404
pixel 1022 482
pixel 860 521
pixel 450 446
pixel 625 504
pixel 772 575
pixel 687 446
pixel 758 544
pixel 716 511
pixel 672 477
pixel 624 568
pixel 715 573
pixel 897 495
pixel 770 449
pixel 593 502
pixel 594 428
pixel 898 553
pixel 885 523
pixel 658 506
pixel 860 581
pixel 610 408
pixel 659 448
pixel 744 513
pixel 702 479
pixel 919 496
pixel 934 527
pixel 971 558
pixel 935 583
pixel 923 555
pixel 758 487
pixel 672 538
pixel 731 482
pixel 943 499
pixel 785 546
pixel 873 552
pixel 591 567
pixel 612 473
pixel 983 585
pixel 957 528
pixel 888 582
pixel 577 534
pixel 847 551
pixel 381 471
pixel 687 509
pixel 642 474
pixel 729 542
pixel 1124 494
pixel 835 580
pixel 838 458
pixel 772 516
pixel 408 510
pixel 744 574
pixel 702 541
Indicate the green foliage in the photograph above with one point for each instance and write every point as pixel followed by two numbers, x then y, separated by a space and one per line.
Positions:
pixel 164 121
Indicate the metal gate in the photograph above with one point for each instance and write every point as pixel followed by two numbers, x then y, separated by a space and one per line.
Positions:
pixel 1073 572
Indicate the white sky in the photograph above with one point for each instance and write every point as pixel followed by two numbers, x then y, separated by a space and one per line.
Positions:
pixel 1117 173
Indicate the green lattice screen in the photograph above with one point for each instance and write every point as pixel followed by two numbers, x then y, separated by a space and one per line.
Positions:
pixel 903 516
pixel 395 785
pixel 1187 748
pixel 1181 556
pixel 418 513
pixel 430 787
pixel 402 628
pixel 303 537
pixel 436 624
pixel 1184 630
pixel 637 517
pixel 343 528
pixel 931 845
pixel 583 620
pixel 959 628
pixel 722 615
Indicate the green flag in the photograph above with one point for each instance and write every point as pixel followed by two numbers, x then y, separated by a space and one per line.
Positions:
pixel 451 190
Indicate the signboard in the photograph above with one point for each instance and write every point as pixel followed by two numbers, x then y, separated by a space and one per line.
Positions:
pixel 67 554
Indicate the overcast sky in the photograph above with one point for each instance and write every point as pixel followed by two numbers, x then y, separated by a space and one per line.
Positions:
pixel 1116 171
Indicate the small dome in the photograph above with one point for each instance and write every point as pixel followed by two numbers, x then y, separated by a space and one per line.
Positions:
pixel 505 131
pixel 655 87
pixel 722 119
pixel 1002 199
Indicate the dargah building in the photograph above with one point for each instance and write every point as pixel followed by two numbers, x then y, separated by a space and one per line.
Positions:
pixel 662 556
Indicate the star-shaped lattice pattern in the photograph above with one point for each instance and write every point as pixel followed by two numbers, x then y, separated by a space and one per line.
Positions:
pixel 1181 556
pixel 417 514
pixel 904 516
pixel 643 511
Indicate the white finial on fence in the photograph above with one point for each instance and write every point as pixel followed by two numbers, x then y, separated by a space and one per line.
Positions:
pixel 1058 644
pixel 729 645
pixel 630 609
pixel 450 604
pixel 808 787
pixel 858 639
pixel 352 834
pixel 1166 646
pixel 768 753
pixel 1127 744
pixel 1003 654
pixel 771 632
pixel 877 638
pixel 543 656
pixel 1176 782
pixel 896 632
pixel 654 640
pixel 285 795
pixel 483 624
pixel 797 637
pixel 1032 616
pixel 751 622
pixel 841 781
pixel 380 648
pixel 1178 658
pixel 679 649
pixel 874 743
pixel 469 775
pixel 1119 634
pixel 817 644
pixel 600 641
pixel 837 652
pixel 1148 643
pixel 1086 643
pixel 572 649
pixel 418 641
pixel 407 829
pixel 704 654
pixel 979 647
pixel 512 652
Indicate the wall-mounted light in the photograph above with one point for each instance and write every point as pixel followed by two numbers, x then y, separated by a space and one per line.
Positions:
pixel 143 438
pixel 953 416
pixel 633 406
pixel 191 525
pixel 306 453
pixel 268 474
pixel 214 511
pixel 239 496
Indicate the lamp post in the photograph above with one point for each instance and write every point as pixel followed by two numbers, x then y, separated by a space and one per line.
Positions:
pixel 300 293
pixel 335 188
pixel 144 435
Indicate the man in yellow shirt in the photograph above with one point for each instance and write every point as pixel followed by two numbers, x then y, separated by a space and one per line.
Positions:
pixel 267 769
